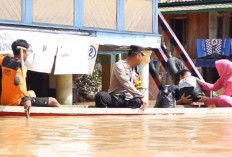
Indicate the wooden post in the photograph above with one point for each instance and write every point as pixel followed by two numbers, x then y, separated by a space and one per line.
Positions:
pixel 27 111
pixel 22 60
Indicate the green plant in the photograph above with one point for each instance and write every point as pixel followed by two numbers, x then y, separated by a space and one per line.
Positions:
pixel 89 84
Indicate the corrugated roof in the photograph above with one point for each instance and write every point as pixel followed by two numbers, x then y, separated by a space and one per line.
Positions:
pixel 97 13
pixel 103 14
pixel 53 11
pixel 100 14
pixel 196 8
pixel 138 15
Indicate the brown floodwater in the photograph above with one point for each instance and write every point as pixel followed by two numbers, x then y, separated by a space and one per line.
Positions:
pixel 117 136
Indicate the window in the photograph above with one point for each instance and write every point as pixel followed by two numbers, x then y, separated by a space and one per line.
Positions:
pixel 54 12
pixel 138 15
pixel 100 13
pixel 11 10
pixel 180 29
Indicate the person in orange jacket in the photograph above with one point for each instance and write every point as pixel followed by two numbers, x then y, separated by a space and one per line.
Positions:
pixel 14 89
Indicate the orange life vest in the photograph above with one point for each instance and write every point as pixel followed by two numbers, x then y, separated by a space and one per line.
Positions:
pixel 13 85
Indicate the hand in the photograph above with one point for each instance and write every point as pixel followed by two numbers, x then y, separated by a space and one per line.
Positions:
pixel 200 82
pixel 144 104
pixel 27 105
pixel 186 100
pixel 203 99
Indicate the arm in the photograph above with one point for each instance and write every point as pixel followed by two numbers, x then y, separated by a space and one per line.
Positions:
pixel 20 82
pixel 211 87
pixel 1 58
pixel 120 73
pixel 228 89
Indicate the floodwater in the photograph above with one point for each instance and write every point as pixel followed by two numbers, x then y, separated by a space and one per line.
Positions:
pixel 117 136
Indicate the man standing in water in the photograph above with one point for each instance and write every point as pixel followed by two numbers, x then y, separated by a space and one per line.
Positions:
pixel 14 89
pixel 122 91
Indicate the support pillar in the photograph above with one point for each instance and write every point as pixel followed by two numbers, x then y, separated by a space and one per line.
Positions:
pixel 144 75
pixel 64 89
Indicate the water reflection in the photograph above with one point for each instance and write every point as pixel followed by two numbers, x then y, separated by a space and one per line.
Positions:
pixel 132 136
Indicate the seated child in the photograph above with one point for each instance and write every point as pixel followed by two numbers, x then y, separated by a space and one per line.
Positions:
pixel 175 67
pixel 188 85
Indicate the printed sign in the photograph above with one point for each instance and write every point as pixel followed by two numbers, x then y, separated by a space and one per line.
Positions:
pixel 209 47
pixel 42 52
pixel 74 54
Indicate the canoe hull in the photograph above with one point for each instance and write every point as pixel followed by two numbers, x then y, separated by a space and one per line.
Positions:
pixel 77 111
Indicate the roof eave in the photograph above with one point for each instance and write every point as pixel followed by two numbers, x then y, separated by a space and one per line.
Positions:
pixel 193 3
pixel 195 11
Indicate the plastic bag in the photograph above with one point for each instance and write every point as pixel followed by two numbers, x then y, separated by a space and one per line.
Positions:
pixel 166 99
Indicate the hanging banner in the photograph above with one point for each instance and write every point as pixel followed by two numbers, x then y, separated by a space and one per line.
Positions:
pixel 42 52
pixel 73 55
pixel 213 48
pixel 44 48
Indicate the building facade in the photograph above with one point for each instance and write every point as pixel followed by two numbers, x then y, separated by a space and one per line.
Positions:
pixel 115 23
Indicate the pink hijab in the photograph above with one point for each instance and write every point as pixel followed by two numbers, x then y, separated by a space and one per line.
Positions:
pixel 224 68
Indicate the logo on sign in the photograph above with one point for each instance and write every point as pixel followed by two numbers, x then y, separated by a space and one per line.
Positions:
pixel 92 52
pixel 44 48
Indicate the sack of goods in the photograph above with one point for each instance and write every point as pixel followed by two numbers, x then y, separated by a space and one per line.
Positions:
pixel 166 98
pixel 189 86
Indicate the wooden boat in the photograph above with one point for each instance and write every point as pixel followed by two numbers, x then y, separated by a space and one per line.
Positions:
pixel 81 111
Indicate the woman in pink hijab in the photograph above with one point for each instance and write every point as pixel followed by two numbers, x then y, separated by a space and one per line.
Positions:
pixel 224 68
